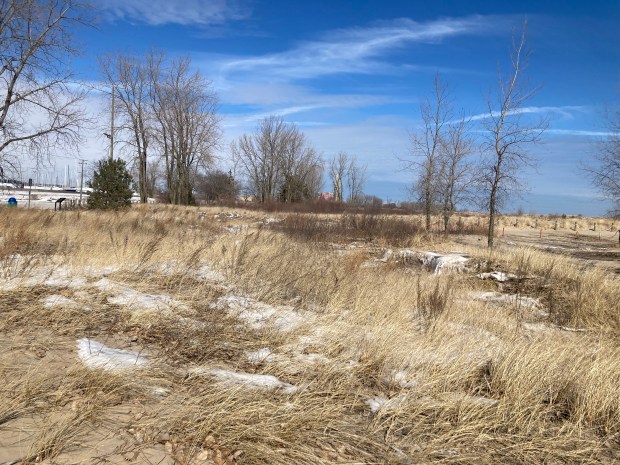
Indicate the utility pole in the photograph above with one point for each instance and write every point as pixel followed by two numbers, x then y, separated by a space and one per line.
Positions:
pixel 81 179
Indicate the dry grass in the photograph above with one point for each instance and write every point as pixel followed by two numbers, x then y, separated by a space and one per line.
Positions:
pixel 387 362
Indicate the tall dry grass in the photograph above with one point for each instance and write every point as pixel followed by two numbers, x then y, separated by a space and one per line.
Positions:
pixel 451 379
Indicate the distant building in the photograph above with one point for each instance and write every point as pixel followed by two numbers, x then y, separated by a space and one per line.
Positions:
pixel 328 196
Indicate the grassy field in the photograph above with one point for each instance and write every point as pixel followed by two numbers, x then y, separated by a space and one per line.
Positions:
pixel 169 335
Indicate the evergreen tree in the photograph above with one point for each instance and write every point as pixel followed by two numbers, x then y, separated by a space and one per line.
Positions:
pixel 111 186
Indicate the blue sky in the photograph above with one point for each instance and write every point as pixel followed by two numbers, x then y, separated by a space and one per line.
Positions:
pixel 351 74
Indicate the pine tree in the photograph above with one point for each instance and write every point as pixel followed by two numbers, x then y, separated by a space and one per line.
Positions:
pixel 111 186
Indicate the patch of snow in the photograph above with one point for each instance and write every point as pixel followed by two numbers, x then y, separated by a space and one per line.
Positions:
pixel 498 276
pixel 375 403
pixel 259 314
pixel 97 355
pixel 389 253
pixel 400 378
pixel 537 327
pixel 56 300
pixel 451 262
pixel 522 301
pixel 205 273
pixel 136 300
pixel 478 333
pixel 260 356
pixel 250 380
pixel 383 403
pixel 436 263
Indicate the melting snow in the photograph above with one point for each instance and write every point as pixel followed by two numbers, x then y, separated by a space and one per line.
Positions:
pixel 56 300
pixel 260 356
pixel 435 262
pixel 508 299
pixel 383 403
pixel 375 403
pixel 96 355
pixel 498 276
pixel 258 314
pixel 400 378
pixel 250 380
pixel 203 273
pixel 136 300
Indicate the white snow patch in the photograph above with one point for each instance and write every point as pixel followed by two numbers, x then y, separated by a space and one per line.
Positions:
pixel 478 333
pixel 383 403
pixel 56 300
pixel 498 276
pixel 260 356
pixel 389 253
pixel 97 355
pixel 400 378
pixel 522 301
pixel 375 403
pixel 136 300
pixel 259 314
pixel 436 263
pixel 203 273
pixel 250 380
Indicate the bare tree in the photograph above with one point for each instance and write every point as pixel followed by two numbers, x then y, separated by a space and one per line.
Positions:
pixel 508 133
pixel 187 126
pixel 131 78
pixel 39 109
pixel 278 161
pixel 426 146
pixel 338 167
pixel 605 172
pixel 356 179
pixel 456 175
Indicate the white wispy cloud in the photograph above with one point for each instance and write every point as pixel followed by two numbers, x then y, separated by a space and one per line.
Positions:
pixel 187 12
pixel 581 132
pixel 356 50
pixel 566 111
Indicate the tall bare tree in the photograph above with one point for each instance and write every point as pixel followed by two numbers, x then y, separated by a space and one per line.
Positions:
pixel 456 174
pixel 605 171
pixel 426 147
pixel 356 179
pixel 134 81
pixel 39 109
pixel 278 161
pixel 187 126
pixel 508 133
pixel 338 167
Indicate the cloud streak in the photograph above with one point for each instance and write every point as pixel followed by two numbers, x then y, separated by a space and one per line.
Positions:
pixel 187 12
pixel 356 50
pixel 564 111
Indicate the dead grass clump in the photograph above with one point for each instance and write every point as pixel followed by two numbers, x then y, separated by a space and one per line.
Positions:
pixel 397 231
pixel 559 381
pixel 276 270
pixel 573 296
